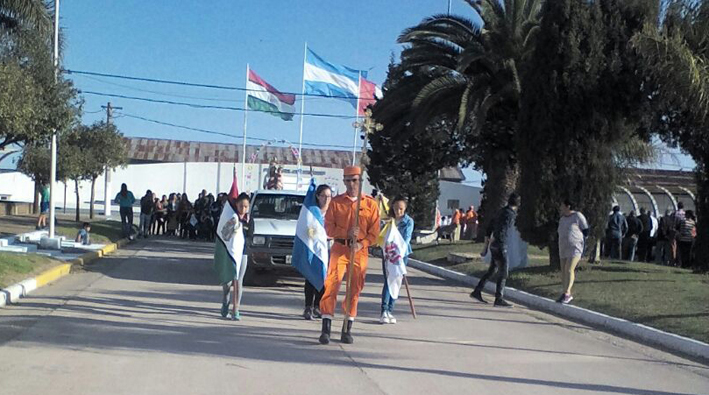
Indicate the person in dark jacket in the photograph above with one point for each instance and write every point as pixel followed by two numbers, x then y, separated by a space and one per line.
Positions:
pixel 644 238
pixel 635 228
pixel 498 248
pixel 615 231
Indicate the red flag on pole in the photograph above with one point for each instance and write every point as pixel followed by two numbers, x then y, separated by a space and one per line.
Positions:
pixel 368 91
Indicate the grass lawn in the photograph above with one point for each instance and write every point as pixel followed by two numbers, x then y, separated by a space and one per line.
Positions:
pixel 17 267
pixel 667 298
pixel 102 232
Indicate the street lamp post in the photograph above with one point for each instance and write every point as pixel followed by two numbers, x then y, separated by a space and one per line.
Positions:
pixel 53 168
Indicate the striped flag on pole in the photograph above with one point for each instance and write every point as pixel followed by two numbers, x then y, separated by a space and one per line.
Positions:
pixel 229 247
pixel 325 78
pixel 310 248
pixel 262 96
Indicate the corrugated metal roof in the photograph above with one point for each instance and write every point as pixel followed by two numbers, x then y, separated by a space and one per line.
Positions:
pixel 160 150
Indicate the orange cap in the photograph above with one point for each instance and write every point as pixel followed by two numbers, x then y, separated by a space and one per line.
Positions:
pixel 353 171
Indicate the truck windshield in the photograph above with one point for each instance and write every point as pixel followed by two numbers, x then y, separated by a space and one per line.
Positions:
pixel 277 206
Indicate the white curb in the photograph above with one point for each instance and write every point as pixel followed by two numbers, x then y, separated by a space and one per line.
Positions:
pixel 637 332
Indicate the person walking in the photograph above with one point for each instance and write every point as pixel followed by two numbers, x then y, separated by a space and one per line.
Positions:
pixel 572 230
pixel 125 200
pixel 504 220
pixel 243 202
pixel 456 222
pixel 43 207
pixel 339 224
pixel 147 205
pixel 405 226
pixel 323 196
pixel 616 229
pixel 685 239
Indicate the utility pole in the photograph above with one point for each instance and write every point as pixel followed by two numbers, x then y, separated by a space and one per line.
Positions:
pixel 53 149
pixel 107 175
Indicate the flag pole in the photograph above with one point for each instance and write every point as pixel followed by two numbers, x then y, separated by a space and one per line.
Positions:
pixel 243 144
pixel 302 110
pixel 354 138
pixel 408 294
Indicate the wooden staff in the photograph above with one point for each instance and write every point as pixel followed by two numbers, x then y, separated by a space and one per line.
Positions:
pixel 408 294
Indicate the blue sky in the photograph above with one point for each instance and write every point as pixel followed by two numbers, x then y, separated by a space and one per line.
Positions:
pixel 211 42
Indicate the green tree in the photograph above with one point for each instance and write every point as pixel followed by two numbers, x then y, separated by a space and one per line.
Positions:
pixel 33 103
pixel 676 55
pixel 104 148
pixel 467 78
pixel 581 105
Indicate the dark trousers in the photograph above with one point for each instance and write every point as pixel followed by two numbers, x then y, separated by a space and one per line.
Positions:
pixel 126 220
pixel 631 244
pixel 643 246
pixel 615 244
pixel 499 263
pixel 312 295
pixel 685 253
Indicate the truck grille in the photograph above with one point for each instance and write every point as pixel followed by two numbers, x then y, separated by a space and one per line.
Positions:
pixel 282 242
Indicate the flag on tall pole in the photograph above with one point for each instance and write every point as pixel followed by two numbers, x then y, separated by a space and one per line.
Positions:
pixel 262 96
pixel 310 248
pixel 324 78
pixel 229 247
pixel 368 93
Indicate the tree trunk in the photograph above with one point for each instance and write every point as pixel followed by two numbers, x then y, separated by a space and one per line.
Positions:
pixel 78 200
pixel 554 259
pixel 594 250
pixel 701 243
pixel 502 176
pixel 93 193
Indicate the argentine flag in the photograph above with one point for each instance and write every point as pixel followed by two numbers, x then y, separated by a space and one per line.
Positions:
pixel 310 249
pixel 324 78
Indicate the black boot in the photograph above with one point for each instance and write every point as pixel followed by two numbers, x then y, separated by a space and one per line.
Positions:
pixel 346 336
pixel 325 333
pixel 477 295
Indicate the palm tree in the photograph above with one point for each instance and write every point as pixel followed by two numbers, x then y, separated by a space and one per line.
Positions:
pixel 33 14
pixel 469 73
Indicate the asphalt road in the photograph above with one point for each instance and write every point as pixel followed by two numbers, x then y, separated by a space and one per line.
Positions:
pixel 146 321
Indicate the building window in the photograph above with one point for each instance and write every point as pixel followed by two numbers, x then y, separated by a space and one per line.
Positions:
pixel 453 204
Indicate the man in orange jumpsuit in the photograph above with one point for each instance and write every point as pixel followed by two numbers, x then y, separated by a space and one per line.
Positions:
pixel 339 225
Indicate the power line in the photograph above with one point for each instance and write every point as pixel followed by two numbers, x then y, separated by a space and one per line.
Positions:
pixel 163 93
pixel 198 85
pixel 204 106
pixel 221 133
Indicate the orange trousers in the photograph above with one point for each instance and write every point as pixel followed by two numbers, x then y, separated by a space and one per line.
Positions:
pixel 336 270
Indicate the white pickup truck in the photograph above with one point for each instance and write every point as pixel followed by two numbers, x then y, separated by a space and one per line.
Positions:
pixel 273 217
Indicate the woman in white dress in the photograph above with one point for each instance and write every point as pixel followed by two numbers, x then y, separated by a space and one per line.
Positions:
pixel 573 229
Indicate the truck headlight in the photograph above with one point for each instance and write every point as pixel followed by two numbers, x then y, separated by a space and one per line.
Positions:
pixel 258 240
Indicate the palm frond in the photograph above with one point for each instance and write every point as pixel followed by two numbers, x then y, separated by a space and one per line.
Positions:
pixel 33 14
pixel 438 87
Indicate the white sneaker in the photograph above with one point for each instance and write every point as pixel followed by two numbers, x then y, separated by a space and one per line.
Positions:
pixel 384 319
pixel 392 319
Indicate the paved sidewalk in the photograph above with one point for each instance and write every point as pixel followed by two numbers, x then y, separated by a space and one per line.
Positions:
pixel 146 321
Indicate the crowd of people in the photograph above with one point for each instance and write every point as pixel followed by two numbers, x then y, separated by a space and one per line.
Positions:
pixel 172 215
pixel 460 225
pixel 668 240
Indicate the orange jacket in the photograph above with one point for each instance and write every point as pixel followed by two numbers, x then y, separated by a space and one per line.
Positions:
pixel 456 218
pixel 470 217
pixel 339 219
